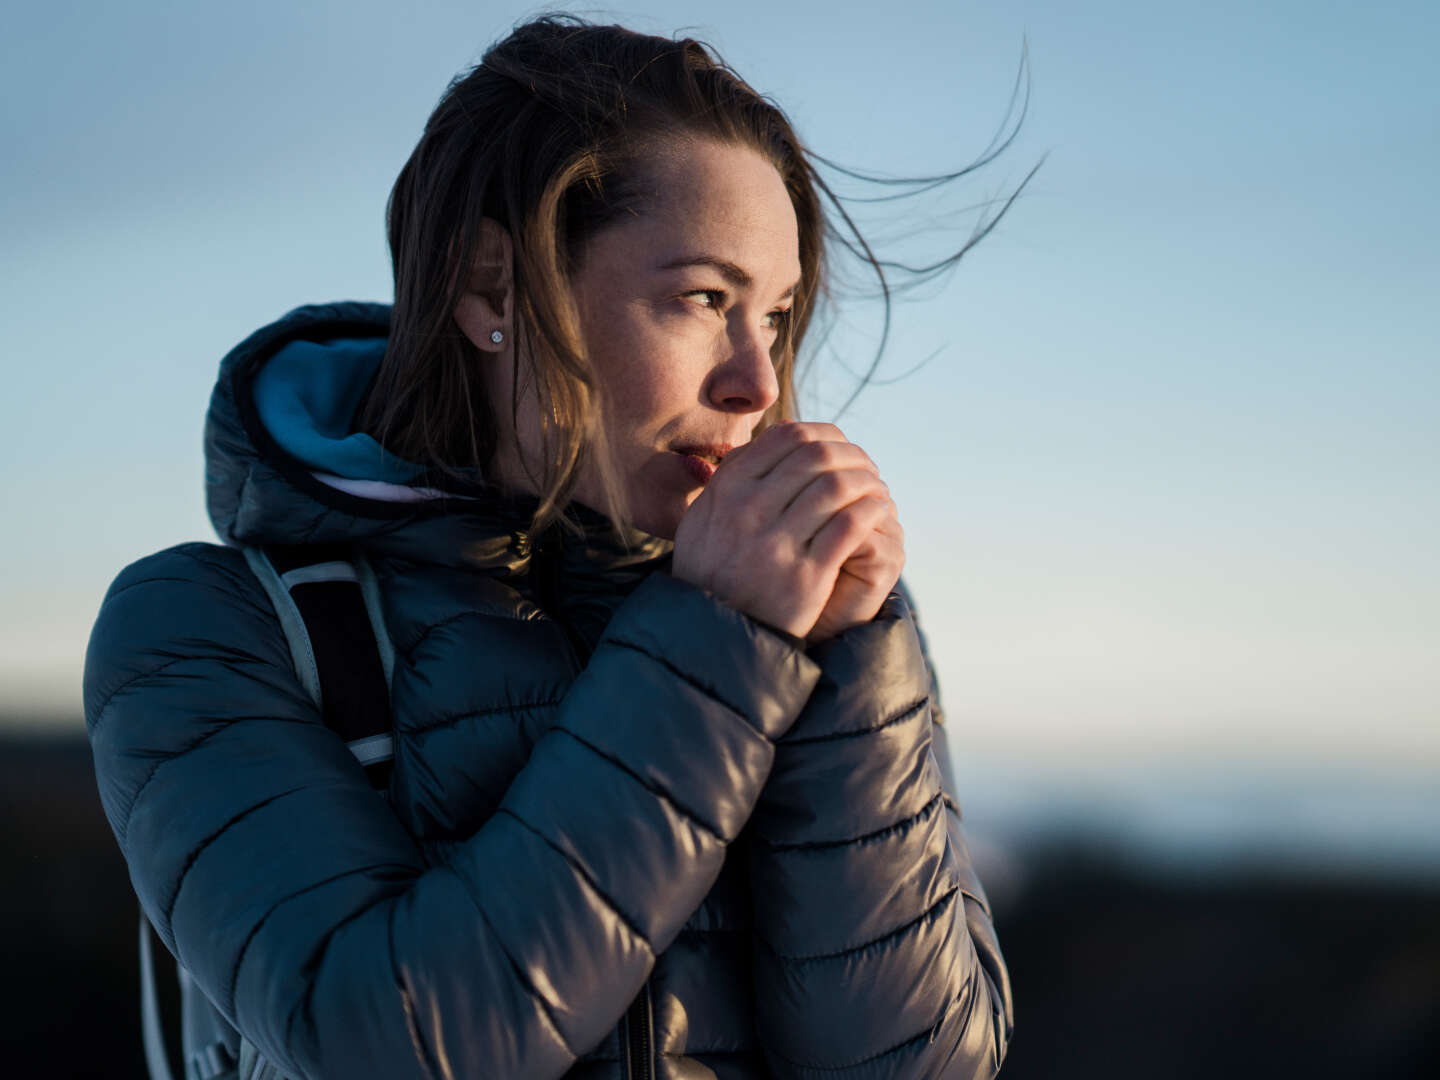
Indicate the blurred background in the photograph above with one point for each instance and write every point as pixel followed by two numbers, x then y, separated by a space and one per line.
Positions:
pixel 1164 446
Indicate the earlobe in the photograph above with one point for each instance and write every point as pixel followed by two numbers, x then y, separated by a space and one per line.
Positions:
pixel 484 310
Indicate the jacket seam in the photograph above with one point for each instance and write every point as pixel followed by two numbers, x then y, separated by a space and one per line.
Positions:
pixel 472 714
pixel 927 1034
pixel 408 651
pixel 104 705
pixel 315 523
pixel 161 579
pixel 208 566
pixel 907 713
pixel 691 1052
pixel 521 977
pixel 145 783
pixel 708 691
pixel 884 938
pixel 879 834
pixel 585 874
pixel 307 996
pixel 407 1000
pixel 242 582
pixel 221 725
pixel 278 904
pixel 663 796
pixel 978 901
pixel 204 844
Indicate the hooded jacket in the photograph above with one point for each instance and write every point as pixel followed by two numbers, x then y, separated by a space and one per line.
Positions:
pixel 608 787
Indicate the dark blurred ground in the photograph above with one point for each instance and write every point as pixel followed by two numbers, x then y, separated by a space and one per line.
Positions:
pixel 1120 969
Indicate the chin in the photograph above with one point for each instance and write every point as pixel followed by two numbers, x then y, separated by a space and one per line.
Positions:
pixel 661 517
pixel 663 525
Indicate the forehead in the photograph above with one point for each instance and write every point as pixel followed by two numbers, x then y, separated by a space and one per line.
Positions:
pixel 726 200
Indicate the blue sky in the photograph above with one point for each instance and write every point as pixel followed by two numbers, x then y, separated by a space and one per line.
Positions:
pixel 1168 480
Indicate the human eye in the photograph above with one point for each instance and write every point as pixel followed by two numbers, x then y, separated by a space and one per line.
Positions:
pixel 707 298
pixel 778 319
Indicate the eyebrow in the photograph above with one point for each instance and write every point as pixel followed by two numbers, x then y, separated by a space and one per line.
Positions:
pixel 727 269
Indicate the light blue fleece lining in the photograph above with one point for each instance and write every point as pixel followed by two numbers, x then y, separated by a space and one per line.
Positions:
pixel 307 395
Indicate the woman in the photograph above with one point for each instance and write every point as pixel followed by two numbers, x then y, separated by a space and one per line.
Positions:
pixel 667 794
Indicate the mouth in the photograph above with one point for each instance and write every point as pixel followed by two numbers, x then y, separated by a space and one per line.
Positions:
pixel 710 453
pixel 701 459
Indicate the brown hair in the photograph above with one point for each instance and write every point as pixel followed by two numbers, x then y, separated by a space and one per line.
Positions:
pixel 548 136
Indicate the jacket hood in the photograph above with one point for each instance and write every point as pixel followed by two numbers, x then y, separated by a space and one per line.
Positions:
pixel 283 464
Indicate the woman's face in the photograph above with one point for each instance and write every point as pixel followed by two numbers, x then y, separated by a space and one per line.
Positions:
pixel 679 307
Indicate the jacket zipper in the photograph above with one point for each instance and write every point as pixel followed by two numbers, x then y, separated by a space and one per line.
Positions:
pixel 545 577
pixel 639 1030
pixel 640 1037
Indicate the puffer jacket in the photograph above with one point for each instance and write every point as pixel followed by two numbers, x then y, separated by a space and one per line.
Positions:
pixel 630 831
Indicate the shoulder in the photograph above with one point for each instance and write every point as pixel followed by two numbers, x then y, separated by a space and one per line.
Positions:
pixel 193 606
pixel 196 565
pixel 186 644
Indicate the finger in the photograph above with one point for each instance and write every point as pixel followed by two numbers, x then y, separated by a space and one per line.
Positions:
pixel 879 541
pixel 850 527
pixel 756 458
pixel 766 499
pixel 891 526
pixel 877 558
pixel 809 458
pixel 825 494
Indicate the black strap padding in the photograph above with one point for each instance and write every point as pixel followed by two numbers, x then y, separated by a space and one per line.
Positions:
pixel 356 699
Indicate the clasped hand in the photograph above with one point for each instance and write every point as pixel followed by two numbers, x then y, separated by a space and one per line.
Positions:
pixel 797 530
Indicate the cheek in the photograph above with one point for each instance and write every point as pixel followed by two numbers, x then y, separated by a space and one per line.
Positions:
pixel 650 373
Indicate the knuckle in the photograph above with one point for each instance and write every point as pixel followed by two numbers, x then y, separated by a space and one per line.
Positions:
pixel 744 521
pixel 858 459
pixel 857 514
pixel 856 528
pixel 796 434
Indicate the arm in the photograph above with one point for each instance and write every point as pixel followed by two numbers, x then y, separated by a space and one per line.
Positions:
pixel 876 955
pixel 302 907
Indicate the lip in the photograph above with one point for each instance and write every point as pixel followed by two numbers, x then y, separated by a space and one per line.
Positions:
pixel 704 451
pixel 700 470
pixel 701 459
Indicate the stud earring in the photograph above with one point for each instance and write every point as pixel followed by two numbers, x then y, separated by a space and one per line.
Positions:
pixel 496 336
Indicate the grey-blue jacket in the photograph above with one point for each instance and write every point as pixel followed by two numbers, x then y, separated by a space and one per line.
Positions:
pixel 608 787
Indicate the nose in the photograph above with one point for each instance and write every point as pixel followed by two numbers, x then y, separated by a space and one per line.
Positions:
pixel 745 382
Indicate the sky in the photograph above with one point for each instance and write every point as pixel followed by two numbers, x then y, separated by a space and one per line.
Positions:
pixel 1166 465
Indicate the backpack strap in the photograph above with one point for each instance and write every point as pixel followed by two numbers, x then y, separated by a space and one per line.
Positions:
pixel 328 603
pixel 209 1045
pixel 156 1060
pixel 329 607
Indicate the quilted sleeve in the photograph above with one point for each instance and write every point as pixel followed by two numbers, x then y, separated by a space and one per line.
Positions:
pixel 875 951
pixel 302 907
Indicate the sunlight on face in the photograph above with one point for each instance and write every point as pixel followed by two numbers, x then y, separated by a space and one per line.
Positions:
pixel 679 308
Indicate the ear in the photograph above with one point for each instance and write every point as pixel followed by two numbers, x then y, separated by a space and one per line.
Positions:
pixel 486 304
